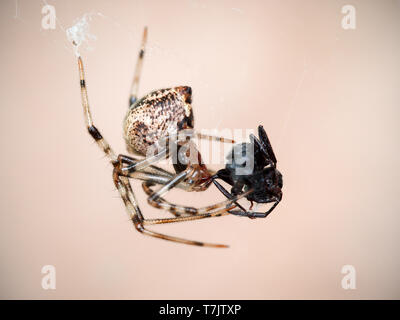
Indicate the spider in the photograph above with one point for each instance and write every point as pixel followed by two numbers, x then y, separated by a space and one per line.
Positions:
pixel 154 123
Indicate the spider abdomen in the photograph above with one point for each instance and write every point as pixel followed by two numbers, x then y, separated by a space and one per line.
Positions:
pixel 157 115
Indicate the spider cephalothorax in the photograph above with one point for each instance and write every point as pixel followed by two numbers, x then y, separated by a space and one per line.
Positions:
pixel 252 166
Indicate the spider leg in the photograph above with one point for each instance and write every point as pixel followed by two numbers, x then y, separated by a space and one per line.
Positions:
pixel 156 200
pixel 152 179
pixel 126 192
pixel 217 210
pixel 151 175
pixel 180 240
pixel 191 217
pixel 93 131
pixel 209 137
pixel 145 163
pixel 149 161
pixel 138 69
pixel 151 170
pixel 190 133
pixel 155 175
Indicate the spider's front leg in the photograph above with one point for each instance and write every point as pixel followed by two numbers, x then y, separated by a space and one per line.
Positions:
pixel 93 131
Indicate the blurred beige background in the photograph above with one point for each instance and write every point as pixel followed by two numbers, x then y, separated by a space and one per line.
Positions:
pixel 328 98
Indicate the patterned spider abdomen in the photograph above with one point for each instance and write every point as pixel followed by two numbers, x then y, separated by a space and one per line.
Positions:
pixel 159 114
